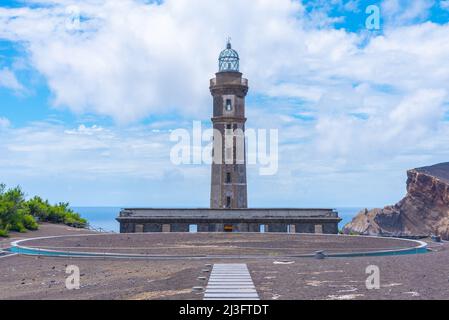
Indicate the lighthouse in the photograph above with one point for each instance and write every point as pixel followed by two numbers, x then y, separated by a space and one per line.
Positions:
pixel 229 210
pixel 229 89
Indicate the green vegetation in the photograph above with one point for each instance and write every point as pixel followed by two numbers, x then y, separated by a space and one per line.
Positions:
pixel 18 214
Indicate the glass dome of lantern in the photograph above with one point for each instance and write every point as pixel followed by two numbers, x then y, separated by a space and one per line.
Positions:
pixel 229 59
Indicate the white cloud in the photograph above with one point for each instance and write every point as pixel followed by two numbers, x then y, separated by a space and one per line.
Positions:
pixel 403 128
pixel 352 5
pixel 444 4
pixel 93 165
pixel 44 148
pixel 83 130
pixel 8 80
pixel 374 101
pixel 4 123
pixel 132 59
pixel 400 12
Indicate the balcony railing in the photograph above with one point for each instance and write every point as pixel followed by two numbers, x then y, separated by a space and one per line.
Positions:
pixel 242 81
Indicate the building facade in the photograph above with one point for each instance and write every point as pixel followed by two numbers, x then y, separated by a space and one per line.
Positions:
pixel 229 210
pixel 229 220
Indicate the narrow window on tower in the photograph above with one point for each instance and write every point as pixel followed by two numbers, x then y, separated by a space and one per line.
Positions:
pixel 228 177
pixel 228 202
pixel 228 105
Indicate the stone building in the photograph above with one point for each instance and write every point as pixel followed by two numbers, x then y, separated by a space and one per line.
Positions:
pixel 228 210
pixel 229 220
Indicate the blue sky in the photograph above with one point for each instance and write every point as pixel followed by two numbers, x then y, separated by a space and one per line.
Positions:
pixel 86 110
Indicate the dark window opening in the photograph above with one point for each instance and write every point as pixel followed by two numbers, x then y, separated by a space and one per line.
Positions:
pixel 228 105
pixel 228 202
pixel 228 177
pixel 229 126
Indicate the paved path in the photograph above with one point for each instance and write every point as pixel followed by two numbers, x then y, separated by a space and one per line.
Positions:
pixel 230 282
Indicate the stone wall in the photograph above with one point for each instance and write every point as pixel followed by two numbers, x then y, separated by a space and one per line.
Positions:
pixel 327 228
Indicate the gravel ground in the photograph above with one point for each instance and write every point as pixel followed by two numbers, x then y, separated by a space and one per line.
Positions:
pixel 218 244
pixel 424 276
pixel 26 277
pixel 44 278
pixel 45 230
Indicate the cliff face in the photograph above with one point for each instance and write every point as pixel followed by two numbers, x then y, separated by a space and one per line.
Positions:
pixel 424 210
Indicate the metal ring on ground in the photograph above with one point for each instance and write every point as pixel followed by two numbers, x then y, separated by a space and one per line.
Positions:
pixel 19 248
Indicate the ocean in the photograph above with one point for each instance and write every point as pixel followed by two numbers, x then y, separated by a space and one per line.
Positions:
pixel 104 217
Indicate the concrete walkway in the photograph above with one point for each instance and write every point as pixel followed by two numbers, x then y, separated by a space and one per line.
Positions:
pixel 230 282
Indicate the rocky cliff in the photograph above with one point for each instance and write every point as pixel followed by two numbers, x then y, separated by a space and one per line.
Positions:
pixel 423 212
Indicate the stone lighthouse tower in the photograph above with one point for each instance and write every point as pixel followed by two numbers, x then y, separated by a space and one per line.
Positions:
pixel 228 89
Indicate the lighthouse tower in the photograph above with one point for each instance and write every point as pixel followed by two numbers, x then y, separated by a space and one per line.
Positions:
pixel 229 89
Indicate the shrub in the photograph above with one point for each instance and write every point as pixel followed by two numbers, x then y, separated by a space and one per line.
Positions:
pixel 29 222
pixel 18 226
pixel 38 208
pixel 74 220
pixel 20 215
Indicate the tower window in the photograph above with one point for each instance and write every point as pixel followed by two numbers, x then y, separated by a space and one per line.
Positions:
pixel 228 202
pixel 229 126
pixel 228 177
pixel 228 105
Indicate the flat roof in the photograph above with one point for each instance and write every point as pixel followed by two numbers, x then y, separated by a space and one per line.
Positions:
pixel 233 209
pixel 237 214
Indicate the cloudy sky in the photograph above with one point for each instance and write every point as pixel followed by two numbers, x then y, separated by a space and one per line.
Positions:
pixel 87 105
